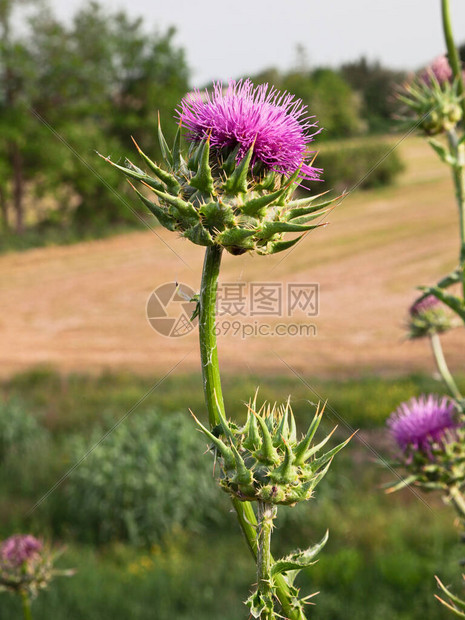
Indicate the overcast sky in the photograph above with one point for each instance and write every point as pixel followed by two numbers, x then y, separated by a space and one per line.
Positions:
pixel 226 39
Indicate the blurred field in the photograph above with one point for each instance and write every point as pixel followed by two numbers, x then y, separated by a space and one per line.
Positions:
pixel 82 307
pixel 381 569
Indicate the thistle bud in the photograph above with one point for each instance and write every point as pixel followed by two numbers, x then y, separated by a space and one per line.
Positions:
pixel 234 188
pixel 434 99
pixel 270 464
pixel 428 316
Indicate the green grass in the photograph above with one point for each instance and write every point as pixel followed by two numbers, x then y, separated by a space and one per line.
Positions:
pixel 382 553
pixel 78 402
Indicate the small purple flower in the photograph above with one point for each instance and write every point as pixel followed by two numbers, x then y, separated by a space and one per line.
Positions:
pixel 20 548
pixel 423 305
pixel 275 124
pixel 418 423
pixel 440 69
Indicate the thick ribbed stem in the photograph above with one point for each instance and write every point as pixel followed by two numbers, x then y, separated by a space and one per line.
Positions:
pixel 443 368
pixel 214 399
pixel 452 52
pixel 208 347
pixel 458 175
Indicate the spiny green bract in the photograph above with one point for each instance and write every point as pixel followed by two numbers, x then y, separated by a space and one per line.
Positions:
pixel 210 199
pixel 265 461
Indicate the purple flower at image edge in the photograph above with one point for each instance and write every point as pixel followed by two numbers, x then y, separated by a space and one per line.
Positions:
pixel 20 548
pixel 275 124
pixel 419 422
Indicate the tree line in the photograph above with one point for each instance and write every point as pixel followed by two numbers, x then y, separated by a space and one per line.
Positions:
pixel 70 89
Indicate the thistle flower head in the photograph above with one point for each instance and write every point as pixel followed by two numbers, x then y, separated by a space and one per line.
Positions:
pixel 242 116
pixel 235 187
pixel 26 565
pixel 18 549
pixel 427 316
pixel 420 422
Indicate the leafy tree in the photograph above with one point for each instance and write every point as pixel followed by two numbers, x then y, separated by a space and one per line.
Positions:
pixel 376 85
pixel 75 89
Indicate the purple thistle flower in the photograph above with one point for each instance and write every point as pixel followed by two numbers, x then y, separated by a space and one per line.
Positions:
pixel 20 548
pixel 244 115
pixel 440 69
pixel 422 421
pixel 423 305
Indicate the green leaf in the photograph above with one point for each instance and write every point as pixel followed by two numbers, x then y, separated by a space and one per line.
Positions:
pixel 299 559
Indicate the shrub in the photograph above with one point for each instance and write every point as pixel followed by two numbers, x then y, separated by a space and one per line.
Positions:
pixel 19 430
pixel 363 165
pixel 146 479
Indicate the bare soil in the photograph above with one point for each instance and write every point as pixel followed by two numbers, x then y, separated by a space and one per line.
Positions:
pixel 82 307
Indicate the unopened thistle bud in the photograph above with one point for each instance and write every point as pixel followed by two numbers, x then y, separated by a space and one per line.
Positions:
pixel 434 99
pixel 428 316
pixel 265 461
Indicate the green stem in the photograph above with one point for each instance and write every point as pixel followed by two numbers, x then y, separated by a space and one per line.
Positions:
pixel 443 368
pixel 214 399
pixel 26 606
pixel 208 347
pixel 266 515
pixel 454 60
pixel 458 175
